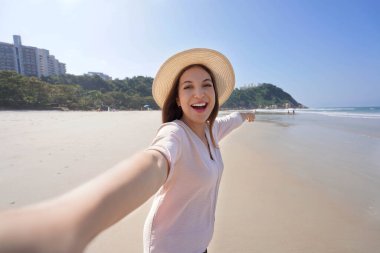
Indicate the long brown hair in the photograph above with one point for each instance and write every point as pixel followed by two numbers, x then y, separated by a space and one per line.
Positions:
pixel 171 111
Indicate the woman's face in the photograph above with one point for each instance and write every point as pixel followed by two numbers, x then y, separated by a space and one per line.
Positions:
pixel 196 95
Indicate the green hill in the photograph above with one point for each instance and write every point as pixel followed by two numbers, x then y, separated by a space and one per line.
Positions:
pixel 264 95
pixel 93 93
pixel 74 92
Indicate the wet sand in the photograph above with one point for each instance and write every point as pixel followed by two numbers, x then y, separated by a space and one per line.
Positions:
pixel 267 202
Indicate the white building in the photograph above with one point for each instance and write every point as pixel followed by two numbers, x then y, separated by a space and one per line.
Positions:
pixel 29 61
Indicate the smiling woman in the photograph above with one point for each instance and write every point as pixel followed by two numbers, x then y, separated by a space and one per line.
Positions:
pixel 182 167
pixel 196 94
pixel 196 99
pixel 190 85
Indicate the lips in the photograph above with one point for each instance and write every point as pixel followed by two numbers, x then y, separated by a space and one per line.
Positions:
pixel 199 107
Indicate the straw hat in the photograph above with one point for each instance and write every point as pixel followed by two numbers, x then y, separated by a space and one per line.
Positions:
pixel 219 65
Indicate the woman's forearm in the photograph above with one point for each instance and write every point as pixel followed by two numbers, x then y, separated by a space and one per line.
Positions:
pixel 117 192
pixel 68 223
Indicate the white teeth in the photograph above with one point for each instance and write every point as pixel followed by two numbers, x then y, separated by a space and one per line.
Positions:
pixel 200 104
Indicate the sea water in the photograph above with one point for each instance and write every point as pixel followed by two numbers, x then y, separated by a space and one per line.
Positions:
pixel 361 120
pixel 371 112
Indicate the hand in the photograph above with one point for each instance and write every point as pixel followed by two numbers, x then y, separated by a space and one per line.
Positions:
pixel 248 116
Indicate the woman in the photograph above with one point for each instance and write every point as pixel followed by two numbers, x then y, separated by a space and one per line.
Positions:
pixel 183 163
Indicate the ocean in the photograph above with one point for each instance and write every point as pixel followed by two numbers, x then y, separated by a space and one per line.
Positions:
pixel 361 120
pixel 371 112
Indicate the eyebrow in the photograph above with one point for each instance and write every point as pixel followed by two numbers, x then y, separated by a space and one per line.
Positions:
pixel 207 79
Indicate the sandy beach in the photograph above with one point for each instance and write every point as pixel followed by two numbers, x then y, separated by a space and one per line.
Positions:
pixel 286 187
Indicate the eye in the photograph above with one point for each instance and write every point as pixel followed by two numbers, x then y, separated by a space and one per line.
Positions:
pixel 207 85
pixel 186 87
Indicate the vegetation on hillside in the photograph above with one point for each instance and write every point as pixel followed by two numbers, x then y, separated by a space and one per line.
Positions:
pixel 74 92
pixel 263 95
pixel 93 93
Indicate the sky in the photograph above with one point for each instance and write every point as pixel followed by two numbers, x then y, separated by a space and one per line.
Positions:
pixel 322 52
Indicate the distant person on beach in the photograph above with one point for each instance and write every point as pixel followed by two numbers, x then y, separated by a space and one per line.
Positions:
pixel 183 166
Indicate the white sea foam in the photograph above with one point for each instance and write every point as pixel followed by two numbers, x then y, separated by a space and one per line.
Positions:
pixel 343 112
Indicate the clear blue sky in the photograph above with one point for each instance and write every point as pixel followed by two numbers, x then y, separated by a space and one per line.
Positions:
pixel 322 52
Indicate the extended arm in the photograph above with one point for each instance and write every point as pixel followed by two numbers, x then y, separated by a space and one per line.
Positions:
pixel 68 223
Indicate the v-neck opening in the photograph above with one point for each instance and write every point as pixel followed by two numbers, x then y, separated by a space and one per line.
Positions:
pixel 207 146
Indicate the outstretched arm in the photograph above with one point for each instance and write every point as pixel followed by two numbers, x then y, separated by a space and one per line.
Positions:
pixel 224 125
pixel 69 222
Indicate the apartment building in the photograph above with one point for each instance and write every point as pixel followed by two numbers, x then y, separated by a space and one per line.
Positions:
pixel 29 61
pixel 7 56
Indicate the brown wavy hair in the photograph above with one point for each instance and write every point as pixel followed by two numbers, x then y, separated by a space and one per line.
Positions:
pixel 171 111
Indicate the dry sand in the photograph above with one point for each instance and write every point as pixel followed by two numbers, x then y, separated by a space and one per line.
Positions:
pixel 262 206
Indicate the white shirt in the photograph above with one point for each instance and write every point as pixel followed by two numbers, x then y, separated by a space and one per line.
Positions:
pixel 183 211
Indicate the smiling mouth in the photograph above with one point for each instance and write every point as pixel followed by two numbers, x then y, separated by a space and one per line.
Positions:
pixel 199 107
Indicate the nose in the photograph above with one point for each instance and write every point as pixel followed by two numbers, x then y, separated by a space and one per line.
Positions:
pixel 199 93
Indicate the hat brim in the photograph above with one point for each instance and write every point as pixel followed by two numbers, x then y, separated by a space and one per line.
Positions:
pixel 218 64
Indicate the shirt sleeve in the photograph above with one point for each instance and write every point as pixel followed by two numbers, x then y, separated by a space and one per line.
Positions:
pixel 224 125
pixel 167 142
